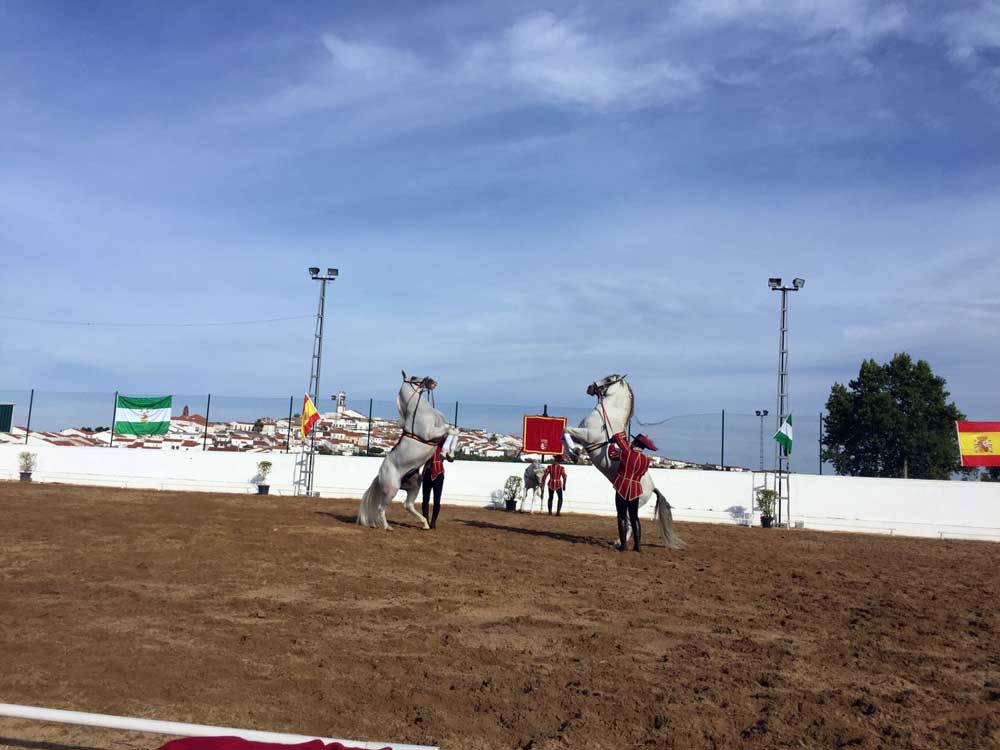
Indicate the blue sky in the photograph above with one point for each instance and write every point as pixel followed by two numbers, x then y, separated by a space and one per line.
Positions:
pixel 521 198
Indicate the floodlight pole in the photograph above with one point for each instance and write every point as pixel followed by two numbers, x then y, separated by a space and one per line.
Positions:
pixel 307 466
pixel 761 413
pixel 781 458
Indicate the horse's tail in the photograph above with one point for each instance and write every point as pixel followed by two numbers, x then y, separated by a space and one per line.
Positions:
pixel 665 520
pixel 370 512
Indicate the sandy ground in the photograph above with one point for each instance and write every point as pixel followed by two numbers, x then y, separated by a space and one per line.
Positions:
pixel 496 630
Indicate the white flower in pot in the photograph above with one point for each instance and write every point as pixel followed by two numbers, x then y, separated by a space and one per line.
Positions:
pixel 27 462
pixel 263 469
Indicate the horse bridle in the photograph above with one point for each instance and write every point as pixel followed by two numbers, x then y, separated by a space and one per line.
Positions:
pixel 425 384
pixel 601 392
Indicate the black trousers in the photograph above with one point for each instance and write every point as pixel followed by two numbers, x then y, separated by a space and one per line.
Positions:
pixel 628 513
pixel 432 484
pixel 559 507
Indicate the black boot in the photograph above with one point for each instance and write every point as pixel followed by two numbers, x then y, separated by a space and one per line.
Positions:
pixel 622 534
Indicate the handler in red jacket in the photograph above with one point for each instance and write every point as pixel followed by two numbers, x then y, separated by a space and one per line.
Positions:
pixel 557 481
pixel 628 484
pixel 433 479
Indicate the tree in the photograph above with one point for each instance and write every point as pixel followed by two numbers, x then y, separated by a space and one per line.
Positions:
pixel 991 474
pixel 893 420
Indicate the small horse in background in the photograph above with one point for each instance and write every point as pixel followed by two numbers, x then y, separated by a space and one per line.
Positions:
pixel 615 406
pixel 424 429
pixel 533 481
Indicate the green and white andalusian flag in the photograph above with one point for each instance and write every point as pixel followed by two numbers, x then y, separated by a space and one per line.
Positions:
pixel 143 416
pixel 784 435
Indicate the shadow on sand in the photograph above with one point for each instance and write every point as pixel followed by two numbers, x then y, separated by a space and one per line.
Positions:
pixel 352 519
pixel 559 535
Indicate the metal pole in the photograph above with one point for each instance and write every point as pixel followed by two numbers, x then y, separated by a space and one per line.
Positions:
pixel 114 416
pixel 821 444
pixel 456 414
pixel 722 460
pixel 31 403
pixel 288 435
pixel 208 410
pixel 368 449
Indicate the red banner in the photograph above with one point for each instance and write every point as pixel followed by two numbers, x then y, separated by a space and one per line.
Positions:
pixel 543 435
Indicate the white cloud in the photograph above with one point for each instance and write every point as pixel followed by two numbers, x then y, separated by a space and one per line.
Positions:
pixel 860 21
pixel 559 60
pixel 969 30
pixel 841 29
pixel 372 59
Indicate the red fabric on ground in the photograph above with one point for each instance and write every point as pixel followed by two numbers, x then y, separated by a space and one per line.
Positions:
pixel 238 743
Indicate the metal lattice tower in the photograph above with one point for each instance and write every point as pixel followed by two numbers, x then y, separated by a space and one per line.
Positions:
pixel 781 460
pixel 306 465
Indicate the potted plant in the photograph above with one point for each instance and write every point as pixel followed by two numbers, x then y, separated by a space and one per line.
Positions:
pixel 27 463
pixel 511 491
pixel 765 501
pixel 263 469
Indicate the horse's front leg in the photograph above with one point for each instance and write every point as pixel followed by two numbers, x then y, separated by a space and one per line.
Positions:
pixel 574 439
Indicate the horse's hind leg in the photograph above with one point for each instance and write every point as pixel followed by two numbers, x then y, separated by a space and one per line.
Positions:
pixel 388 494
pixel 410 505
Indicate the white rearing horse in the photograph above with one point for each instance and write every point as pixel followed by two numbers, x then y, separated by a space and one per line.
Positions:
pixel 533 481
pixel 424 428
pixel 615 406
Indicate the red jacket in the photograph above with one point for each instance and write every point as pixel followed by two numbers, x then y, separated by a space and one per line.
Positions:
pixel 632 468
pixel 557 476
pixel 436 465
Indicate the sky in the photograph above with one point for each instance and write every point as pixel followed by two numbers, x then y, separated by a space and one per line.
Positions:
pixel 520 198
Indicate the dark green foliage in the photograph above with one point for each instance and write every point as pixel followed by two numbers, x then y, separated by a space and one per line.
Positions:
pixel 890 415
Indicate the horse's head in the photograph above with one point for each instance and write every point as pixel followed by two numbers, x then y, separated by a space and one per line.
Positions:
pixel 601 387
pixel 419 383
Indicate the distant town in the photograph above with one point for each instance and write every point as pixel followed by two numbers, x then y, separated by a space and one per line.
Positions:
pixel 342 432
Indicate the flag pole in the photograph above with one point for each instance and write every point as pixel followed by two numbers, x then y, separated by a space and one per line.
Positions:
pixel 208 410
pixel 114 416
pixel 368 449
pixel 722 459
pixel 27 429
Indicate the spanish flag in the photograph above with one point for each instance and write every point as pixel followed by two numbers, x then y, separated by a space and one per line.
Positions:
pixel 979 443
pixel 309 416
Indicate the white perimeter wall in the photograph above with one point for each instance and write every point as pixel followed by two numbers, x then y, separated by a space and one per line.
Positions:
pixel 899 506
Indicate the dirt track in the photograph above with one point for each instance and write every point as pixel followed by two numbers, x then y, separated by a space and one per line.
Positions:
pixel 495 631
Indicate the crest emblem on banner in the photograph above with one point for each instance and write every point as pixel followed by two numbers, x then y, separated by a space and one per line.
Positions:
pixel 983 444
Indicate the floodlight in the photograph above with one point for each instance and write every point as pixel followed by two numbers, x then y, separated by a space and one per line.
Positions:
pixel 332 272
pixel 798 283
pixel 774 283
pixel 765 413
pixel 314 272
pixel 757 412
